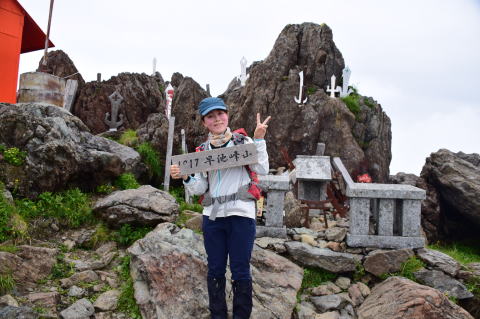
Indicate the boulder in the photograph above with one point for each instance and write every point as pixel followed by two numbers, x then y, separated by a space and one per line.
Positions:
pixel 456 177
pixel 446 284
pixel 380 262
pixel 60 64
pixel 82 309
pixel 142 95
pixel 10 312
pixel 169 268
pixel 363 137
pixel 145 205
pixel 29 264
pixel 439 261
pixel 60 150
pixel 322 258
pixel 399 297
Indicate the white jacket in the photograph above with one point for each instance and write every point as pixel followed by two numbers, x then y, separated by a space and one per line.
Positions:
pixel 227 181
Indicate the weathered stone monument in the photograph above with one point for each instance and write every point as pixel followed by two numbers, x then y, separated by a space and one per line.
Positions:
pixel 243 71
pixel 275 188
pixel 115 98
pixel 383 215
pixel 345 90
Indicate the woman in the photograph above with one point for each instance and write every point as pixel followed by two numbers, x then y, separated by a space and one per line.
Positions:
pixel 228 215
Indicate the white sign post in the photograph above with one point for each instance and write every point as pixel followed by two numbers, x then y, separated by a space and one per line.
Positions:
pixel 168 159
pixel 169 98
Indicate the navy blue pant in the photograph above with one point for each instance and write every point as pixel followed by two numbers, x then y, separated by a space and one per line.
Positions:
pixel 231 237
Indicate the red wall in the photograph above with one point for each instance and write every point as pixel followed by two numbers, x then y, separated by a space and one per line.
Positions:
pixel 11 28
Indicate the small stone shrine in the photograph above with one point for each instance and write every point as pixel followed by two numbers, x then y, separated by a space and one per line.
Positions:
pixel 383 215
pixel 312 173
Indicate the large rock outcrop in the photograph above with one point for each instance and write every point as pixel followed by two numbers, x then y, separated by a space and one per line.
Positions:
pixel 399 297
pixel 360 139
pixel 60 64
pixel 188 95
pixel 169 267
pixel 454 179
pixel 60 151
pixel 142 95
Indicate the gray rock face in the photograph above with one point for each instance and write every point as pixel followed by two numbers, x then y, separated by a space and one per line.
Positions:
pixel 322 258
pixel 392 299
pixel 10 312
pixel 438 280
pixel 439 261
pixel 107 301
pixel 61 151
pixel 145 205
pixel 142 95
pixel 329 302
pixel 457 179
pixel 433 223
pixel 188 95
pixel 81 309
pixel 272 86
pixel 380 262
pixel 172 263
pixel 29 264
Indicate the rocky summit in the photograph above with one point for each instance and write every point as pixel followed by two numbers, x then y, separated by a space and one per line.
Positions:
pixel 121 247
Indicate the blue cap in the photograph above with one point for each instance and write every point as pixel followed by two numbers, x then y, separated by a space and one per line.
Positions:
pixel 210 104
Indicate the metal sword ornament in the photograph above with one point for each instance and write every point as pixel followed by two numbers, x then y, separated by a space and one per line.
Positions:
pixel 299 99
pixel 332 88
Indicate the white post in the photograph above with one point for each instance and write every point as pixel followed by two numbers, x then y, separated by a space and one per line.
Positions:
pixel 168 160
pixel 188 198
pixel 299 99
pixel 169 98
pixel 154 66
pixel 243 71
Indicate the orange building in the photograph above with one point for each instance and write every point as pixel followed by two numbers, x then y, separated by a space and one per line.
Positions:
pixel 18 34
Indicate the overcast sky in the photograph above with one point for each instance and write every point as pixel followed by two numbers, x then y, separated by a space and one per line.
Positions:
pixel 419 59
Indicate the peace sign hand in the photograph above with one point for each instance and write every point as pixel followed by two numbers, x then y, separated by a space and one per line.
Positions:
pixel 261 128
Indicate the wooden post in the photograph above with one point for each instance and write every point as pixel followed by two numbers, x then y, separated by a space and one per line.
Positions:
pixel 188 198
pixel 168 160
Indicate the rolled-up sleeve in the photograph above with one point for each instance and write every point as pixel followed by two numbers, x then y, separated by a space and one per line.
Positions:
pixel 197 184
pixel 261 167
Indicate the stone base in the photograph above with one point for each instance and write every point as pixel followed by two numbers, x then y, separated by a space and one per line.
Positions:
pixel 275 232
pixel 397 242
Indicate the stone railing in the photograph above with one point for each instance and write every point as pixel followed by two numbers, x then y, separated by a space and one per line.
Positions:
pixel 383 215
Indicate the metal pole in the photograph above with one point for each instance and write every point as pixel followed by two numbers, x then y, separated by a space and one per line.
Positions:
pixel 44 62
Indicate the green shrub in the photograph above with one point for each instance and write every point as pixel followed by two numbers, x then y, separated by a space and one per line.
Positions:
pixel 352 102
pixel 104 189
pixel 126 301
pixel 70 208
pixel 128 138
pixel 313 277
pixel 463 252
pixel 6 212
pixel 7 283
pixel 13 155
pixel 126 181
pixel 152 159
pixel 311 90
pixel 368 102
pixel 101 235
pixel 62 269
pixel 127 234
pixel 9 249
pixel 407 269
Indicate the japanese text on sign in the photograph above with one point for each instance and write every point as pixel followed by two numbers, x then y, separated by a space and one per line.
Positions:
pixel 224 157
